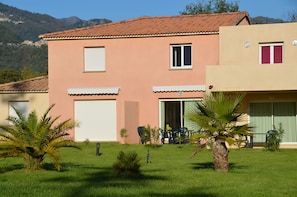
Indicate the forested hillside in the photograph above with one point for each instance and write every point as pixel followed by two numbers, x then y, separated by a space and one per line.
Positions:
pixel 22 54
pixel 30 25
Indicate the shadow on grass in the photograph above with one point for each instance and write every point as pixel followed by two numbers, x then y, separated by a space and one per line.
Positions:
pixel 100 178
pixel 195 191
pixel 65 166
pixel 210 165
pixel 11 168
pixel 103 180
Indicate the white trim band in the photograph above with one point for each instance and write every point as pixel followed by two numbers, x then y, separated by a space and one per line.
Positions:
pixel 189 88
pixel 93 91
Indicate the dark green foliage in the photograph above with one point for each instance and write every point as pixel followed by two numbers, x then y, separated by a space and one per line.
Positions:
pixel 18 56
pixel 212 6
pixel 127 165
pixel 19 62
pixel 9 75
pixel 8 36
pixel 265 20
pixel 274 139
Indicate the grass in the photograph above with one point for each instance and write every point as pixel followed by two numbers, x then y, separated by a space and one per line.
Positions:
pixel 253 172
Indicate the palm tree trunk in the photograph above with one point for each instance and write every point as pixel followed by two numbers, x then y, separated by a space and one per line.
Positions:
pixel 220 155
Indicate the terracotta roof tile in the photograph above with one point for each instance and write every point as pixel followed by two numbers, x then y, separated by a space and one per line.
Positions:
pixel 38 84
pixel 154 26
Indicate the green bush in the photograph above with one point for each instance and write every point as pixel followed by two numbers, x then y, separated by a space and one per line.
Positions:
pixel 124 134
pixel 274 139
pixel 127 165
pixel 151 135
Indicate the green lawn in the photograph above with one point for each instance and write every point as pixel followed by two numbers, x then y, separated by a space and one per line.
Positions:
pixel 253 172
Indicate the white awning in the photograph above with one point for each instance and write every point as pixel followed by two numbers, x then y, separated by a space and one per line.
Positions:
pixel 189 88
pixel 93 91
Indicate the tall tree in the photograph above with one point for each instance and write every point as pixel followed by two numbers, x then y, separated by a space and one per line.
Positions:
pixel 292 16
pixel 212 6
pixel 9 75
pixel 32 138
pixel 218 118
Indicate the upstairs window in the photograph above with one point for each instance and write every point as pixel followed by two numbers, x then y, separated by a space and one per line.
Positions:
pixel 271 53
pixel 181 56
pixel 94 59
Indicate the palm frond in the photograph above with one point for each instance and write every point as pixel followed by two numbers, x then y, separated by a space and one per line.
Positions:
pixel 218 115
pixel 33 137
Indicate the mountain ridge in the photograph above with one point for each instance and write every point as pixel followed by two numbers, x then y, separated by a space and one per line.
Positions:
pixel 29 26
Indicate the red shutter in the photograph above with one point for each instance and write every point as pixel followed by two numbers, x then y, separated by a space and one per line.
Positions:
pixel 278 54
pixel 265 54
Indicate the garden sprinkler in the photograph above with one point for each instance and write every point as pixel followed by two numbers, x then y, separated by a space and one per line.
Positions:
pixel 97 149
pixel 148 158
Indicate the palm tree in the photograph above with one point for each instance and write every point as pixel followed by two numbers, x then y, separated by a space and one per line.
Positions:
pixel 32 138
pixel 218 118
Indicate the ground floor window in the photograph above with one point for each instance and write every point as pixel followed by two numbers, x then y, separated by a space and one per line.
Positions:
pixel 21 106
pixel 175 113
pixel 268 115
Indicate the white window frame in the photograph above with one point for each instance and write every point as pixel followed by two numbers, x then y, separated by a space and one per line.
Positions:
pixel 22 106
pixel 182 56
pixel 94 59
pixel 271 45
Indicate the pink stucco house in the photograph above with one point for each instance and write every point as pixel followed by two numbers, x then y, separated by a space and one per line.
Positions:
pixel 143 71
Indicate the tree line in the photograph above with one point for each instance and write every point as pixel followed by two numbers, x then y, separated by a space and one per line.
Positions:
pixel 18 62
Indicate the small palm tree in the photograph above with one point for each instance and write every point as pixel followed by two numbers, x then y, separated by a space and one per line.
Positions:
pixel 32 138
pixel 218 118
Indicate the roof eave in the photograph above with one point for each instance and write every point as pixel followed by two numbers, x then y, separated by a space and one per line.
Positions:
pixel 22 91
pixel 127 36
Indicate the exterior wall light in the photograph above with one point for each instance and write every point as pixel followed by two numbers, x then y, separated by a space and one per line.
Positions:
pixel 294 42
pixel 247 44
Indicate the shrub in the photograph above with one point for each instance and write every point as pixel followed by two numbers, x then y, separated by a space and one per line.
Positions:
pixel 274 138
pixel 124 134
pixel 127 165
pixel 151 135
pixel 87 141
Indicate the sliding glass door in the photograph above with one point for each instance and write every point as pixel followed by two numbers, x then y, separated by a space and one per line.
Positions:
pixel 176 112
pixel 267 116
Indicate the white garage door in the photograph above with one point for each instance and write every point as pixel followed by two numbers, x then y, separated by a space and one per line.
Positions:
pixel 97 120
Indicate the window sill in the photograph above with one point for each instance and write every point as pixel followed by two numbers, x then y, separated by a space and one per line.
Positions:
pixel 181 68
pixel 103 71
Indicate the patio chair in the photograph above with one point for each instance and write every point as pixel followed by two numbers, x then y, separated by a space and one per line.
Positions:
pixel 140 131
pixel 173 136
pixel 184 134
pixel 164 135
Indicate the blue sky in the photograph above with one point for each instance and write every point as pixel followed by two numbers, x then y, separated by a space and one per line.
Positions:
pixel 117 10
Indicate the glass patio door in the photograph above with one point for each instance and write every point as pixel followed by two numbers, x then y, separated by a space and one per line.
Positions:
pixel 175 113
pixel 267 116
